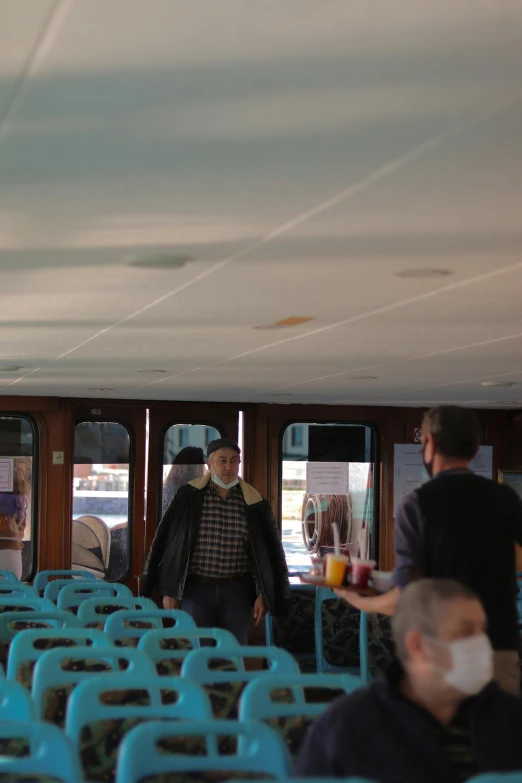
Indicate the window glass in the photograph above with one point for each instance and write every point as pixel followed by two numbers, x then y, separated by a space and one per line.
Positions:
pixel 184 456
pixel 18 473
pixel 101 499
pixel 327 476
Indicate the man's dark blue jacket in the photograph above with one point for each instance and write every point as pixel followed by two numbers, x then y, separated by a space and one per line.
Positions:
pixel 376 733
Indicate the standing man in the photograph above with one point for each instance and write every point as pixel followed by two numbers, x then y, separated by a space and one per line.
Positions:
pixel 460 526
pixel 217 551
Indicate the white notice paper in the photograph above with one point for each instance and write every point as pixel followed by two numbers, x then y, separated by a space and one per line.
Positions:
pixel 409 472
pixel 327 478
pixel 6 474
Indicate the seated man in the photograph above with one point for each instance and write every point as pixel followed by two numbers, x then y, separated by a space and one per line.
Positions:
pixel 437 717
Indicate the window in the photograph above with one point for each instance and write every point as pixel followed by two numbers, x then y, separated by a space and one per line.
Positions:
pixel 184 456
pixel 101 499
pixel 327 473
pixel 297 435
pixel 18 498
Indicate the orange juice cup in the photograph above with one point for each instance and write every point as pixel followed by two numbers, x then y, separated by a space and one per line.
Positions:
pixel 361 571
pixel 335 569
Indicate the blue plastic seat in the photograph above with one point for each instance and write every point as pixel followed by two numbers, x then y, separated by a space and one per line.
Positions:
pixel 43 578
pixel 50 753
pixel 94 612
pixel 25 604
pixel 103 709
pixel 59 671
pixel 260 750
pixel 53 589
pixel 133 624
pixel 8 576
pixel 222 672
pixel 17 590
pixel 169 647
pixel 15 702
pixel 363 669
pixel 26 648
pixel 11 623
pixel 281 702
pixel 73 594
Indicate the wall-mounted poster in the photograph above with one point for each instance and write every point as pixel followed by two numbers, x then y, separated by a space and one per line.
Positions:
pixel 409 472
pixel 6 474
pixel 513 478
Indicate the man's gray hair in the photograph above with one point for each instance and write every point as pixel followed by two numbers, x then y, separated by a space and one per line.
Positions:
pixel 420 608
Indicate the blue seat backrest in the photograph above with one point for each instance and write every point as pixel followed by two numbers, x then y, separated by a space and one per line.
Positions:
pixel 154 643
pixel 87 706
pixel 257 703
pixel 12 623
pixel 196 664
pixel 8 576
pixel 16 703
pixel 50 672
pixel 25 603
pixel 17 590
pixel 72 595
pixel 48 753
pixel 53 589
pixel 42 578
pixel 99 609
pixel 260 750
pixel 31 645
pixel 120 624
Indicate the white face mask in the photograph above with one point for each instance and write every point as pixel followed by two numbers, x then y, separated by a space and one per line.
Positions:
pixel 219 483
pixel 472 660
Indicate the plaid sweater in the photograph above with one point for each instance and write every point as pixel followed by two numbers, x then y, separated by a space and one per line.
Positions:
pixel 223 548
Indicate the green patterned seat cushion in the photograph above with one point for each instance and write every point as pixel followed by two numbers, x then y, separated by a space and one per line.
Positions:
pixel 170 667
pixel 340 633
pixel 17 747
pixel 296 633
pixel 292 729
pixel 100 740
pixel 381 648
pixel 205 776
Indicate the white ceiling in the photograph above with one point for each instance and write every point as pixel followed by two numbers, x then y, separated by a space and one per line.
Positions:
pixel 302 153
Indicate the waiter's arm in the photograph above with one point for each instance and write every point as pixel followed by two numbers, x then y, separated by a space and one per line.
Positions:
pixel 410 561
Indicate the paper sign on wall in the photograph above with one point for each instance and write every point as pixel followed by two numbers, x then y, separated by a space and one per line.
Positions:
pixel 327 478
pixel 409 472
pixel 6 474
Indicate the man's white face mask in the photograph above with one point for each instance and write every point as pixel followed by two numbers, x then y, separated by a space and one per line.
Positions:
pixel 219 483
pixel 472 660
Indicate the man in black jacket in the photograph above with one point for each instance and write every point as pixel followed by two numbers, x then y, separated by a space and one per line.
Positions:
pixel 436 718
pixel 460 526
pixel 217 550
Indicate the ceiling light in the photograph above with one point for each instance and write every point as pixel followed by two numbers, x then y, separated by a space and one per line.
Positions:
pixel 151 372
pixel 365 378
pixel 498 383
pixel 424 274
pixel 11 368
pixel 106 388
pixel 165 261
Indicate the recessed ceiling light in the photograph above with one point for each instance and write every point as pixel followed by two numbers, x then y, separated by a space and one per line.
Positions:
pixel 151 372
pixel 364 378
pixel 498 383
pixel 106 388
pixel 165 261
pixel 424 274
pixel 11 368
